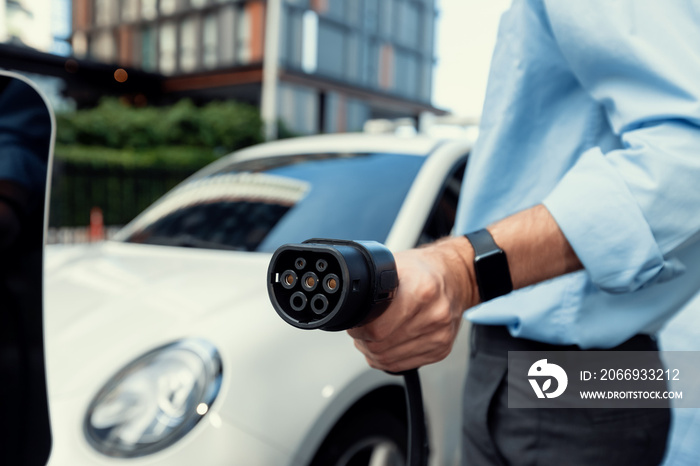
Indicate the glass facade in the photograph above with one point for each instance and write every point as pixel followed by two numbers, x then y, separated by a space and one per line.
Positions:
pixel 379 45
pixel 384 45
pixel 341 54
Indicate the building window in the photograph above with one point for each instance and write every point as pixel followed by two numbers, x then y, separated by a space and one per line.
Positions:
pixel 104 13
pixel 168 47
pixel 148 49
pixel 428 32
pixel 188 44
pixel 386 18
pixel 80 44
pixel 210 58
pixel 298 108
pixel 426 80
pixel 243 36
pixel 386 67
pixel 331 49
pixel 335 8
pixel 352 57
pixel 168 7
pixel 148 9
pixel 370 16
pixel 406 74
pixel 130 10
pixel 335 113
pixel 293 38
pixel 358 114
pixel 408 30
pixel 353 10
pixel 227 37
pixel 103 47
pixel 126 45
pixel 309 43
pixel 367 63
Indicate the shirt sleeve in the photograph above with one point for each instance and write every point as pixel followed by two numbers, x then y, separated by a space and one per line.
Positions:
pixel 626 211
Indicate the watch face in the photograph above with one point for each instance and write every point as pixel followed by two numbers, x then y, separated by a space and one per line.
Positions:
pixel 493 275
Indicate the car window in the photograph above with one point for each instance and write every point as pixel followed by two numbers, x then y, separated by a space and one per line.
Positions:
pixel 260 204
pixel 442 217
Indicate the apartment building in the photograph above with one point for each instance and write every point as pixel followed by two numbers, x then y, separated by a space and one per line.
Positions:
pixel 317 65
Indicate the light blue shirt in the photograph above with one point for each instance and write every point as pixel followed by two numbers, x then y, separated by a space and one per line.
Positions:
pixel 593 109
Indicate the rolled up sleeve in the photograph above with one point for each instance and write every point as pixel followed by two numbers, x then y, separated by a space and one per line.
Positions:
pixel 626 211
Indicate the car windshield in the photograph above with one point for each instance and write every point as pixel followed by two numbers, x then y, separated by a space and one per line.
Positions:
pixel 260 204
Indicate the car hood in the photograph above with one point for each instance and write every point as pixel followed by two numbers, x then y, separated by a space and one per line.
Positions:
pixel 109 303
pixel 177 282
pixel 127 298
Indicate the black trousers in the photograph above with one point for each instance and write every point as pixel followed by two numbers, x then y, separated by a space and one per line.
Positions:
pixel 495 435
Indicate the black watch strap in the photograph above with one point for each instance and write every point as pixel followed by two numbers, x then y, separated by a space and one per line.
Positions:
pixel 490 266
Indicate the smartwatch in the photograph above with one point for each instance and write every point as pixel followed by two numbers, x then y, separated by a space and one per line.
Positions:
pixel 490 266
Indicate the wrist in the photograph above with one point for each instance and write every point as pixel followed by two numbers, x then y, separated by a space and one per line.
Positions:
pixel 458 256
pixel 536 248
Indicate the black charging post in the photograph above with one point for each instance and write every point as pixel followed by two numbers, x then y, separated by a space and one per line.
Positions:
pixel 336 285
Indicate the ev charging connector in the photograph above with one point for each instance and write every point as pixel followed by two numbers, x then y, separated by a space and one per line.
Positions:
pixel 331 284
pixel 336 285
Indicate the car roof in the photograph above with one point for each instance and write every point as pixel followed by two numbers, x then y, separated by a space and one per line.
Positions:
pixel 330 143
pixel 350 142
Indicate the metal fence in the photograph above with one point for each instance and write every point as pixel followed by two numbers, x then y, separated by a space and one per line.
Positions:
pixel 121 193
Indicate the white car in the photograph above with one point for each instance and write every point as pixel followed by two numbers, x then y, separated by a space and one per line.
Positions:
pixel 162 345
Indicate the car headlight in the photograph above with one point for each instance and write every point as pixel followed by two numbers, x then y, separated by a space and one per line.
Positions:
pixel 155 400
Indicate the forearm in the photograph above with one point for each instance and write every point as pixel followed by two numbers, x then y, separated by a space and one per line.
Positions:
pixel 534 245
pixel 437 283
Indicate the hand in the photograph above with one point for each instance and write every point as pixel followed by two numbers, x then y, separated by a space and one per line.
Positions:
pixel 436 285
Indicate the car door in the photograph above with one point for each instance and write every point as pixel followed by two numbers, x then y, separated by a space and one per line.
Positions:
pixel 444 212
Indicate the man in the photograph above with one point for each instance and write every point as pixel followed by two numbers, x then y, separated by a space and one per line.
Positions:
pixel 586 175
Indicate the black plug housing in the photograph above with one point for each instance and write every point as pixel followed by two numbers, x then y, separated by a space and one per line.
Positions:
pixel 331 284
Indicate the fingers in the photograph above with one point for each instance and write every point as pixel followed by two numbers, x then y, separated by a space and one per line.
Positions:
pixel 425 339
pixel 426 349
pixel 422 322
pixel 419 288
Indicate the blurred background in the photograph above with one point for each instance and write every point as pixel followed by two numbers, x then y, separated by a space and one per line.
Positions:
pixel 148 91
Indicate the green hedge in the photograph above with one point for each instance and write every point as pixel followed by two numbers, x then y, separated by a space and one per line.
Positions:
pixel 184 134
pixel 121 158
